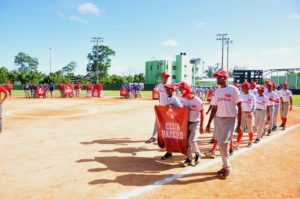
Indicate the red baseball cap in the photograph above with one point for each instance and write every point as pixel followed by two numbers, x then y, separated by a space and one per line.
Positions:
pixel 170 86
pixel 221 73
pixel 253 84
pixel 269 83
pixel 188 91
pixel 182 84
pixel 285 83
pixel 273 84
pixel 261 88
pixel 237 85
pixel 164 74
pixel 246 85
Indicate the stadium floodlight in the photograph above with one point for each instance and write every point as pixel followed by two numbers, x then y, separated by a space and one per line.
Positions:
pixel 97 40
pixel 222 37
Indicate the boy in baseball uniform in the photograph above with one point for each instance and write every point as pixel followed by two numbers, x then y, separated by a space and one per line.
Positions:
pixel 253 89
pixel 163 101
pixel 195 125
pixel 277 103
pixel 225 104
pixel 286 101
pixel 260 113
pixel 174 102
pixel 271 95
pixel 248 107
pixel 6 93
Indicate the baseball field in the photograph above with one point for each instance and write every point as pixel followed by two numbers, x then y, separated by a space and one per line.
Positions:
pixel 95 148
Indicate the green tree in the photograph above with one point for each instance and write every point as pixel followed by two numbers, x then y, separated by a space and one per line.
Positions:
pixel 211 70
pixel 103 55
pixel 13 76
pixel 70 67
pixel 4 74
pixel 26 63
pixel 139 78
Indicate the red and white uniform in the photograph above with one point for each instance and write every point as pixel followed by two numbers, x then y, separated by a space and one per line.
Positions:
pixel 271 95
pixel 248 102
pixel 226 100
pixel 261 102
pixel 163 97
pixel 195 105
pixel 286 94
pixel 253 91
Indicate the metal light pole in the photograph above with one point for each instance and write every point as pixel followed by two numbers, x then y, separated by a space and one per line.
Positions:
pixel 222 37
pixel 227 42
pixel 97 40
pixel 50 59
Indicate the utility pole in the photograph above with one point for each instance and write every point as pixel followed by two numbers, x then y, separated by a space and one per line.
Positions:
pixel 227 42
pixel 222 38
pixel 97 40
pixel 50 59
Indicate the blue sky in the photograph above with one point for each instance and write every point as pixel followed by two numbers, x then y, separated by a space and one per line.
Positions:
pixel 265 33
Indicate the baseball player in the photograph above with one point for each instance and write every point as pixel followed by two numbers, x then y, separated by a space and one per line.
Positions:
pixel 9 87
pixel 171 101
pixel 248 108
pixel 27 91
pixel 227 99
pixel 253 89
pixel 6 93
pixel 51 89
pixel 270 110
pixel 195 125
pixel 260 113
pixel 286 101
pixel 276 105
pixel 78 87
pixel 163 101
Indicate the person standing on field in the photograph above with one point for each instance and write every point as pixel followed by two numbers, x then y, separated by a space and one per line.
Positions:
pixel 225 103
pixel 286 101
pixel 6 93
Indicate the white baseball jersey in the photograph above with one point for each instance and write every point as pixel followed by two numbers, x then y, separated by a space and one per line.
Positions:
pixel 174 101
pixel 195 105
pixel 253 91
pixel 163 97
pixel 278 96
pixel 286 94
pixel 271 95
pixel 261 102
pixel 226 100
pixel 248 102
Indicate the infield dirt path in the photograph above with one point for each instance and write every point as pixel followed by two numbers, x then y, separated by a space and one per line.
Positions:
pixel 95 149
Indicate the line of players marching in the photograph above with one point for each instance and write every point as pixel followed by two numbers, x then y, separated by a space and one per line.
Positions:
pixel 253 108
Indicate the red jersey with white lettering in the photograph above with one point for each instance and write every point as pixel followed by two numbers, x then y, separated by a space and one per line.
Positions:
pixel 270 95
pixel 226 100
pixel 248 102
pixel 286 94
pixel 195 105
pixel 261 102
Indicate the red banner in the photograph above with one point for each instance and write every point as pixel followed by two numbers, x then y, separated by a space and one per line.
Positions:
pixel 172 126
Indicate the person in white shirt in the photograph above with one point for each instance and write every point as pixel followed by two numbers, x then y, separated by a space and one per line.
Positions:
pixel 286 101
pixel 276 105
pixel 195 125
pixel 253 89
pixel 248 107
pixel 174 102
pixel 227 99
pixel 260 113
pixel 163 101
pixel 270 110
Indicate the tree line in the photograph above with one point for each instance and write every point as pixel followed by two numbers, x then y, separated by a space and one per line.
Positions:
pixel 99 62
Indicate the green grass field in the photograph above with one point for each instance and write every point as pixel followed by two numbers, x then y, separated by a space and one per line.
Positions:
pixel 296 98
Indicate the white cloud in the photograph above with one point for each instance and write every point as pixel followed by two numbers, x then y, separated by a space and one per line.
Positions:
pixel 170 43
pixel 89 8
pixel 276 51
pixel 201 24
pixel 294 16
pixel 77 19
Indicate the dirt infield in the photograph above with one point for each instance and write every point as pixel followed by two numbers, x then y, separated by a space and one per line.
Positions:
pixel 91 148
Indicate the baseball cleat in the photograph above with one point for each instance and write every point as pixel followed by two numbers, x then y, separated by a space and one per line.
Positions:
pixel 197 159
pixel 230 152
pixel 249 144
pixel 151 140
pixel 257 141
pixel 274 128
pixel 210 154
pixel 223 173
pixel 269 133
pixel 212 140
pixel 166 156
pixel 283 127
pixel 187 162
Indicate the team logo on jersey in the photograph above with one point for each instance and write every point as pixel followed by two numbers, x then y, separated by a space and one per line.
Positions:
pixel 228 95
pixel 171 113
